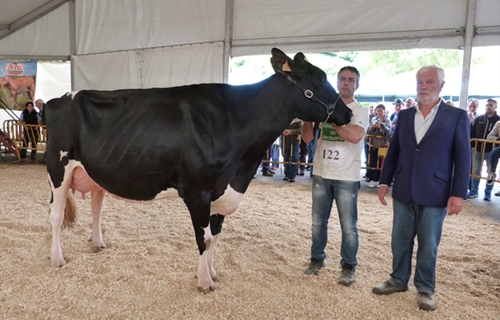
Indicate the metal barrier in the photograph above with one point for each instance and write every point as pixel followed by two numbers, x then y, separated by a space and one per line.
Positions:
pixel 495 144
pixel 26 136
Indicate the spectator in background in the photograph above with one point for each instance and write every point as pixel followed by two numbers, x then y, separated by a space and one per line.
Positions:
pixel 450 103
pixel 398 105
pixel 409 103
pixel 266 169
pixel 494 135
pixel 291 143
pixel 480 127
pixel 472 105
pixel 304 150
pixel 41 110
pixel 380 132
pixel 30 134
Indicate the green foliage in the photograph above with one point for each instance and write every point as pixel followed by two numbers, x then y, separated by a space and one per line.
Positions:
pixel 393 62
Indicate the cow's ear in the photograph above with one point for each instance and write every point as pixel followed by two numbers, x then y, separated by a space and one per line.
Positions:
pixel 300 57
pixel 280 61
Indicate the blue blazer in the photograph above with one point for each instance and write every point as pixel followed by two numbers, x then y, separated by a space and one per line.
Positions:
pixel 434 169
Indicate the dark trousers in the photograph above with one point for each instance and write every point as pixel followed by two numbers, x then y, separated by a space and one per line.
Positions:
pixel 373 175
pixel 30 135
pixel 291 154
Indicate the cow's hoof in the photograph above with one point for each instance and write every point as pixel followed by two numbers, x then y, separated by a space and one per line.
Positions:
pixel 57 262
pixel 215 278
pixel 207 290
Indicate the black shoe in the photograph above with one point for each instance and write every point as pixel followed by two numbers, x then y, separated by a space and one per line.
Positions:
pixel 291 180
pixel 315 266
pixel 285 179
pixel 301 172
pixel 267 173
pixel 347 276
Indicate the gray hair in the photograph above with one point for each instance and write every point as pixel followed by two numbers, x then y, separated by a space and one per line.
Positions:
pixel 440 72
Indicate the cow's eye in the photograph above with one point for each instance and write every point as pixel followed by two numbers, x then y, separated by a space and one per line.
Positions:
pixel 322 80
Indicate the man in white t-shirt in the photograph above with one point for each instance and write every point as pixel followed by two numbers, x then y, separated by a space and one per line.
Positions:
pixel 337 166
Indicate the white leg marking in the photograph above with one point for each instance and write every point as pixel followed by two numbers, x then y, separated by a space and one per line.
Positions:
pixel 56 219
pixel 205 282
pixel 210 259
pixel 97 200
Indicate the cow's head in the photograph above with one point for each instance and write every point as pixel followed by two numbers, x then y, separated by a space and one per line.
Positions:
pixel 320 100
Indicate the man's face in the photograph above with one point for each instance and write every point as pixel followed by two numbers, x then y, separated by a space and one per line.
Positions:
pixel 39 104
pixel 409 103
pixel 490 107
pixel 472 107
pixel 428 86
pixel 397 107
pixel 371 109
pixel 347 83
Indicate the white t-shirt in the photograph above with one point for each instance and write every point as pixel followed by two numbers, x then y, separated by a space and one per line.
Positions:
pixel 336 158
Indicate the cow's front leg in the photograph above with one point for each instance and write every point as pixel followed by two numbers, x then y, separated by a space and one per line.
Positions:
pixel 205 270
pixel 216 221
pixel 198 205
pixel 97 200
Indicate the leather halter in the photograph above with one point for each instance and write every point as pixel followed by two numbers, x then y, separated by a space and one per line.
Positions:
pixel 310 95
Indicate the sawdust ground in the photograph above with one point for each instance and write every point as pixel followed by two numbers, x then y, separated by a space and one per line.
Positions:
pixel 148 269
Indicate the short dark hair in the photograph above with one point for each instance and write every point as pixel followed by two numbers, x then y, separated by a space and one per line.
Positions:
pixel 28 103
pixel 352 69
pixel 380 106
pixel 492 100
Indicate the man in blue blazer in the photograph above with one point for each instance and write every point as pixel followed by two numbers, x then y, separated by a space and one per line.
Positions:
pixel 429 160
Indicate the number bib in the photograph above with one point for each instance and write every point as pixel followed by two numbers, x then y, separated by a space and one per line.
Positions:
pixel 334 156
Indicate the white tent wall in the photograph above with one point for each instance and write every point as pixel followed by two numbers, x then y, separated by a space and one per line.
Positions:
pixel 350 25
pixel 159 67
pixel 114 25
pixel 106 71
pixel 117 34
pixel 53 79
pixel 46 36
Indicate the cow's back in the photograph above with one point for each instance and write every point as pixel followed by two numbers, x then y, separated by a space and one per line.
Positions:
pixel 138 143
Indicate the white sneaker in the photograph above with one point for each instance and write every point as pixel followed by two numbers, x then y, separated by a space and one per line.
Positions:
pixel 378 184
pixel 371 184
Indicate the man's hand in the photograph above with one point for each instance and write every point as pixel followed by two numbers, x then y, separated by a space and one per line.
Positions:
pixel 382 191
pixel 455 205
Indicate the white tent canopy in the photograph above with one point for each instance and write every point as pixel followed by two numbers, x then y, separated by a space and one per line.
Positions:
pixel 145 43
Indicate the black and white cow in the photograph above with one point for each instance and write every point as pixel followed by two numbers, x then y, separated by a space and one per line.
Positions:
pixel 202 143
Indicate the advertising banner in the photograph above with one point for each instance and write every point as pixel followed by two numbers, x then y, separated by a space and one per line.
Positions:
pixel 17 83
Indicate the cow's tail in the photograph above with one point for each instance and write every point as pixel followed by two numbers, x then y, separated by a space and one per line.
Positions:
pixel 69 212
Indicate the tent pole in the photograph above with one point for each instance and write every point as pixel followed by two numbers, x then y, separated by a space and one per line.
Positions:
pixel 72 41
pixel 228 38
pixel 466 63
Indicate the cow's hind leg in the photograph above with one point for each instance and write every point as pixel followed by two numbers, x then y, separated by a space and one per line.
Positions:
pixel 97 200
pixel 216 221
pixel 60 200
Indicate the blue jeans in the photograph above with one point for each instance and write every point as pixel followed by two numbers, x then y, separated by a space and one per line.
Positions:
pixel 477 166
pixel 345 195
pixel 495 155
pixel 291 154
pixel 426 223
